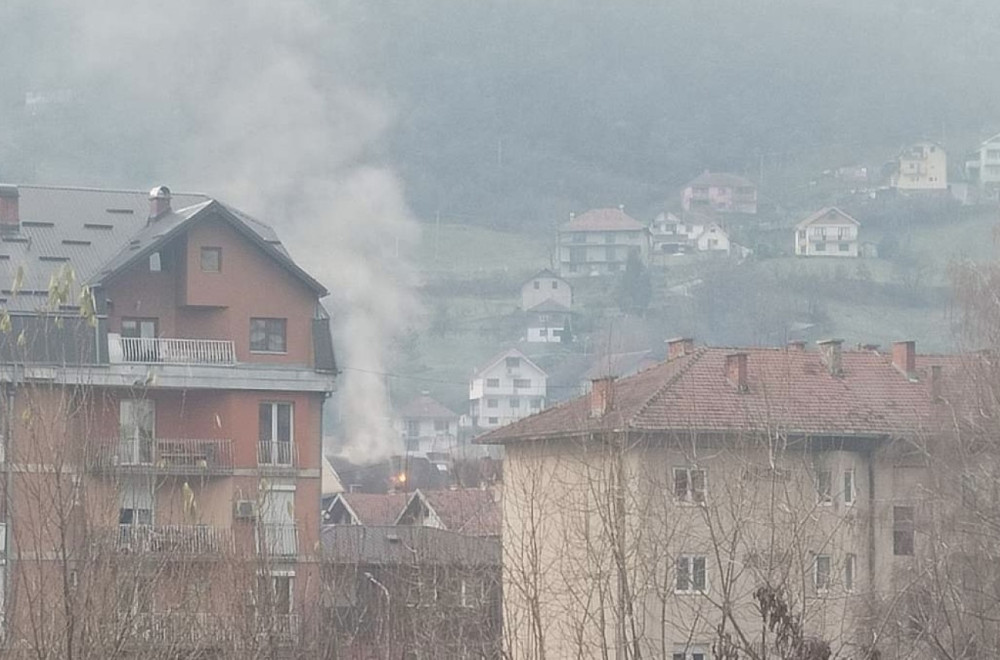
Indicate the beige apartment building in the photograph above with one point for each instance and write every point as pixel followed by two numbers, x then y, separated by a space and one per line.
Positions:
pixel 641 519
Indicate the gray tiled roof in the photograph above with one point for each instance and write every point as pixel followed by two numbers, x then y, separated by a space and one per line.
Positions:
pixel 97 232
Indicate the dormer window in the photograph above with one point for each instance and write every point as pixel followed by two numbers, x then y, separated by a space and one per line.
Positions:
pixel 211 260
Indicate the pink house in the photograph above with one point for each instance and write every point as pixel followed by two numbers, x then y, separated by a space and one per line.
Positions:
pixel 720 192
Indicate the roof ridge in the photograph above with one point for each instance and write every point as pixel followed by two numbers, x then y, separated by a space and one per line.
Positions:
pixel 40 186
pixel 695 357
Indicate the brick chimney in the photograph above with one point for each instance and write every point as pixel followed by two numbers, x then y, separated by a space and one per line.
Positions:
pixel 936 383
pixel 602 396
pixel 10 214
pixel 797 345
pixel 159 202
pixel 736 371
pixel 679 346
pixel 830 355
pixel 904 357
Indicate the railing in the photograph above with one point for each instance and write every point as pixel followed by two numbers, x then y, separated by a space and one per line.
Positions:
pixel 277 539
pixel 146 350
pixel 173 539
pixel 181 456
pixel 275 454
pixel 203 631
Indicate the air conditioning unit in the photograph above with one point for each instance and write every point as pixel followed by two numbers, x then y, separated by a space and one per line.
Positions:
pixel 245 510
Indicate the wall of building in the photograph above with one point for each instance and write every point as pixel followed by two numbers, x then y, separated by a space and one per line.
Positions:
pixel 539 289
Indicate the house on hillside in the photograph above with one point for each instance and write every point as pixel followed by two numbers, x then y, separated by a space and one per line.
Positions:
pixel 828 232
pixel 922 166
pixel 982 168
pixel 508 388
pixel 695 232
pixel 719 192
pixel 841 509
pixel 198 357
pixel 421 581
pixel 545 285
pixel 425 425
pixel 599 242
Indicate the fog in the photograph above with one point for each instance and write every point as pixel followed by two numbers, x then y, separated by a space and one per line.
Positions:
pixel 350 125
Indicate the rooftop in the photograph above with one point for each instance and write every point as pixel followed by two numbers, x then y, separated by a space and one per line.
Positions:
pixel 603 220
pixel 721 180
pixel 425 407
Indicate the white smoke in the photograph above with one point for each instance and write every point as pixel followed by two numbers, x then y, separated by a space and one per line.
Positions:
pixel 242 102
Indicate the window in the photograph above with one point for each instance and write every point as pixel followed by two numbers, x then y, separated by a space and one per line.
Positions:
pixel 522 383
pixel 412 428
pixel 691 576
pixel 802 234
pixel 848 486
pixel 824 487
pixel 491 403
pixel 268 335
pixel 689 485
pixel 690 652
pixel 536 404
pixel 844 247
pixel 211 260
pixel 515 402
pixel 610 253
pixel 274 434
pixel 492 382
pixel 441 425
pixel 903 519
pixel 139 328
pixel 821 573
pixel 513 362
pixel 492 420
pixel 849 566
pixel 821 247
pixel 471 592
pixel 609 237
pixel 555 285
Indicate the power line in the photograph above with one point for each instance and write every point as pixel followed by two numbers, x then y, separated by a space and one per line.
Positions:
pixel 387 374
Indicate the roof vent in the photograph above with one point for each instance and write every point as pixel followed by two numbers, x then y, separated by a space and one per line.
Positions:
pixel 10 216
pixel 159 202
pixel 831 355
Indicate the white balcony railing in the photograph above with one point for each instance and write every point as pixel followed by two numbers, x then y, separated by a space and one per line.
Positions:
pixel 276 454
pixel 173 539
pixel 277 539
pixel 162 350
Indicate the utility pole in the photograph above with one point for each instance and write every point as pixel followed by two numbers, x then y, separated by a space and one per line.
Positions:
pixel 437 233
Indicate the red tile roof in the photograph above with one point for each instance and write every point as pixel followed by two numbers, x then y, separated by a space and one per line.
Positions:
pixel 789 390
pixel 603 220
pixel 424 407
pixel 376 509
pixel 466 511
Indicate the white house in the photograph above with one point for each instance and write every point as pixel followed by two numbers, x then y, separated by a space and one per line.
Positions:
pixel 828 232
pixel 921 166
pixel 425 425
pixel 983 168
pixel 599 242
pixel 508 388
pixel 694 232
pixel 548 322
pixel 545 285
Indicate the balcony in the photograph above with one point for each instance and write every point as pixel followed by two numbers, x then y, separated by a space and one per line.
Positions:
pixel 277 539
pixel 162 350
pixel 186 540
pixel 164 456
pixel 273 455
pixel 181 630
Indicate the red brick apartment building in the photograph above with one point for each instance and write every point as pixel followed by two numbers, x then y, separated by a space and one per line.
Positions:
pixel 164 368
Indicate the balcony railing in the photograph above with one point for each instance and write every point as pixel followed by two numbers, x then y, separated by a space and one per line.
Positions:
pixel 277 539
pixel 161 350
pixel 173 539
pixel 180 456
pixel 202 631
pixel 277 455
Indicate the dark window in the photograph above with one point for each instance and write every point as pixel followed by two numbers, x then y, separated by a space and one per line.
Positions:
pixel 690 485
pixel 493 420
pixel 822 574
pixel 412 428
pixel 555 285
pixel 849 573
pixel 513 362
pixel 903 523
pixel 492 382
pixel 690 574
pixel 268 335
pixel 136 327
pixel 515 402
pixel 824 487
pixel 522 383
pixel 211 260
pixel 848 486
pixel 274 434
pixel 441 425
pixel 538 285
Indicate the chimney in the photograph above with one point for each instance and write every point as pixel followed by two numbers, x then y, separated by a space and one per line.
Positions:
pixel 159 202
pixel 830 355
pixel 936 383
pixel 797 345
pixel 904 357
pixel 736 371
pixel 10 216
pixel 602 396
pixel 679 346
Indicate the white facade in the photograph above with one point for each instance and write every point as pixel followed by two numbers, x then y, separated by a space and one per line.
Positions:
pixel 694 233
pixel 510 387
pixel 546 285
pixel 424 425
pixel 983 167
pixel 827 233
pixel 539 332
pixel 922 166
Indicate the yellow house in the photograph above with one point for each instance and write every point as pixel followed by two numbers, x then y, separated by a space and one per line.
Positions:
pixel 921 166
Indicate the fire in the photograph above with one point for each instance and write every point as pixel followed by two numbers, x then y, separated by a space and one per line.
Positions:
pixel 401 478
